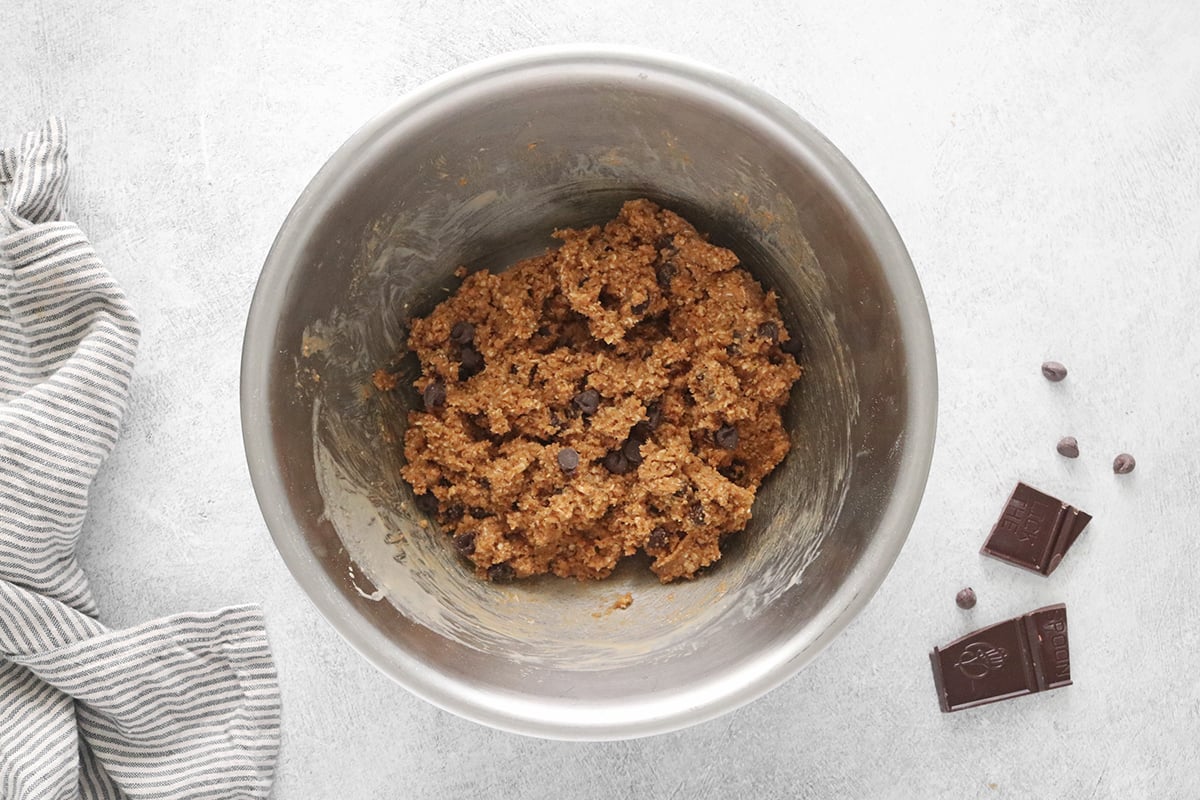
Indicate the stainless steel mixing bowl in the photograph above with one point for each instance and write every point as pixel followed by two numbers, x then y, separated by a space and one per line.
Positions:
pixel 476 169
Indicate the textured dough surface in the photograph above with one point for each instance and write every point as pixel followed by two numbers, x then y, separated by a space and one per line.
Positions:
pixel 638 321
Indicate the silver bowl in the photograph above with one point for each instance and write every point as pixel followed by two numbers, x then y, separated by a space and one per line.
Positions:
pixel 476 168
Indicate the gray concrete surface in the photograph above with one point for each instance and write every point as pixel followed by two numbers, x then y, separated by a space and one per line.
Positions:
pixel 1043 164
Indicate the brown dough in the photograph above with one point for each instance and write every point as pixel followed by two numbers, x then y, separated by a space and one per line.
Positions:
pixel 660 324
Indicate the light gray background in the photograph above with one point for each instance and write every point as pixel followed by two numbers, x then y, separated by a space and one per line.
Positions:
pixel 1042 161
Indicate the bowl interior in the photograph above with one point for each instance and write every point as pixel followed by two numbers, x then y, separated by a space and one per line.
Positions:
pixel 477 171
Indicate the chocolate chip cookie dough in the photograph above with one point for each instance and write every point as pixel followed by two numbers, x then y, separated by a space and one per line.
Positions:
pixel 621 393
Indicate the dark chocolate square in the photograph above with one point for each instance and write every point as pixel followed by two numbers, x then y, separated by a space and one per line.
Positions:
pixel 1013 658
pixel 1034 530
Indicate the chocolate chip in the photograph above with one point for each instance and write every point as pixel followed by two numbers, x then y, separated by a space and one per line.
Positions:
pixel 696 513
pixel 568 459
pixel 632 450
pixel 664 274
pixel 654 416
pixel 1068 447
pixel 477 512
pixel 640 307
pixel 793 346
pixel 427 503
pixel 726 437
pixel 434 396
pixel 665 241
pixel 462 333
pixel 641 432
pixel 768 331
pixel 965 598
pixel 464 543
pixel 1123 464
pixel 453 512
pixel 660 539
pixel 733 350
pixel 587 401
pixel 501 573
pixel 470 363
pixel 616 463
pixel 555 420
pixel 1054 371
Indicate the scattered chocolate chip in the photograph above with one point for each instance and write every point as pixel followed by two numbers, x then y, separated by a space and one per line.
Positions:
pixel 477 512
pixel 501 573
pixel 733 350
pixel 641 432
pixel 434 396
pixel 427 503
pixel 1054 371
pixel 793 346
pixel 726 437
pixel 462 333
pixel 1010 659
pixel 664 274
pixel 632 450
pixel 654 416
pixel 659 539
pixel 464 543
pixel 470 363
pixel 1068 447
pixel 453 512
pixel 587 401
pixel 1123 464
pixel 768 331
pixel 696 513
pixel 665 241
pixel 1034 530
pixel 965 598
pixel 568 459
pixel 616 463
pixel 641 307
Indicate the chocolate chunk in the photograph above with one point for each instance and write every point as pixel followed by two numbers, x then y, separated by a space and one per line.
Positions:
pixel 1054 371
pixel 726 437
pixel 696 513
pixel 568 459
pixel 616 463
pixel 665 241
pixel 965 598
pixel 462 333
pixel 632 450
pixel 470 363
pixel 793 346
pixel 453 512
pixel 660 539
pixel 587 401
pixel 640 307
pixel 1123 464
pixel 1035 530
pixel 478 513
pixel 464 543
pixel 1014 658
pixel 427 503
pixel 641 432
pixel 434 395
pixel 768 331
pixel 654 416
pixel 501 573
pixel 664 274
pixel 1068 447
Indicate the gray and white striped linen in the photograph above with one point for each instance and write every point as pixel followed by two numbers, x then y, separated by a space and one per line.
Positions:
pixel 182 707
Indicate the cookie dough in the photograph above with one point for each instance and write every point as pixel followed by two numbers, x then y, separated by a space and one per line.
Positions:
pixel 619 394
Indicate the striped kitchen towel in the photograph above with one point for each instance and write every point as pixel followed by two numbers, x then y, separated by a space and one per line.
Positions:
pixel 182 707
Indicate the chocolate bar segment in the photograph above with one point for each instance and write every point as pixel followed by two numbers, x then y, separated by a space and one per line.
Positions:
pixel 1013 658
pixel 1035 530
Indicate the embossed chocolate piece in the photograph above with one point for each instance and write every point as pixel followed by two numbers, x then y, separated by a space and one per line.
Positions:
pixel 1013 658
pixel 1035 530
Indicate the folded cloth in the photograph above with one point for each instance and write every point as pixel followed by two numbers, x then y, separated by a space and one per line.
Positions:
pixel 182 707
